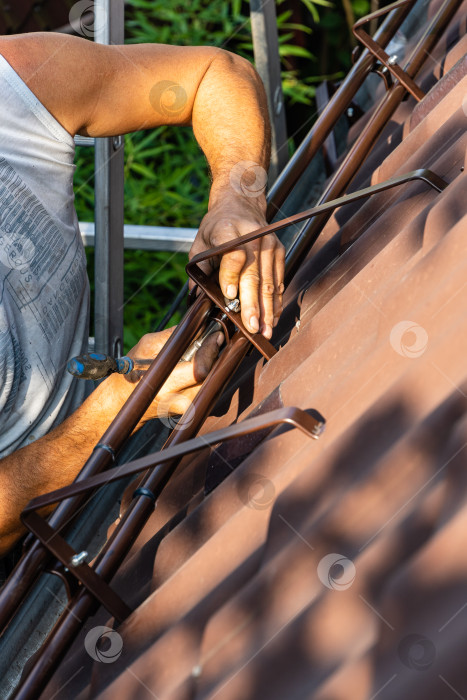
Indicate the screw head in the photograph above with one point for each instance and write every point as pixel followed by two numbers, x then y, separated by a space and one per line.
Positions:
pixel 78 559
pixel 233 305
pixel 392 60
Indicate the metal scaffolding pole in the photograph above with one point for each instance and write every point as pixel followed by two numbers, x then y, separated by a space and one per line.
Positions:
pixel 267 61
pixel 109 163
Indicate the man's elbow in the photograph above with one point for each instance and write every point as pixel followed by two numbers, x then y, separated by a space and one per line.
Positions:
pixel 237 65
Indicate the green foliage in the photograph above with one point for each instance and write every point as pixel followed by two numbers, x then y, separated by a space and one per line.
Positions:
pixel 199 22
pixel 167 180
pixel 166 176
pixel 155 279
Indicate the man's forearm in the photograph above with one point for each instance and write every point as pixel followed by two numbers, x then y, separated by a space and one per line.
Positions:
pixel 54 460
pixel 231 124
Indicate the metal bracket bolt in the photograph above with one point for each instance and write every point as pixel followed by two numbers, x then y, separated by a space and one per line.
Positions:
pixel 78 559
pixel 233 305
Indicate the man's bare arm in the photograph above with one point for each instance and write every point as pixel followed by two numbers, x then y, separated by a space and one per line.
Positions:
pixel 105 90
pixel 54 460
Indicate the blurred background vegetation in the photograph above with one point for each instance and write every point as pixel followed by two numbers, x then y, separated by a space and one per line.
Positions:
pixel 166 177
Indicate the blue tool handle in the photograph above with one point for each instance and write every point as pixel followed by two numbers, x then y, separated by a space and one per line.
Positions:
pixel 95 365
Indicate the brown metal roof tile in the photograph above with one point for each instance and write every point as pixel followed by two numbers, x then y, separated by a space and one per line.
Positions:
pixel 241 596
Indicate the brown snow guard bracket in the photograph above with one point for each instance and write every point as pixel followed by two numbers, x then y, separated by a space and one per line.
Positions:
pixel 75 563
pixel 211 288
pixel 389 62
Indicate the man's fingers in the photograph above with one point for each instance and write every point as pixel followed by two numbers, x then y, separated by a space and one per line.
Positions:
pixel 250 280
pixel 199 247
pixel 267 288
pixel 151 344
pixel 206 356
pixel 254 272
pixel 279 267
pixel 231 268
pixel 186 374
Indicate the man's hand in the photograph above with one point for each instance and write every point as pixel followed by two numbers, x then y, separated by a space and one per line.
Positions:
pixel 184 382
pixel 253 272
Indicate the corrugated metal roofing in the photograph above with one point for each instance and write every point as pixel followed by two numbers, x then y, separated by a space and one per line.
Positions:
pixel 332 570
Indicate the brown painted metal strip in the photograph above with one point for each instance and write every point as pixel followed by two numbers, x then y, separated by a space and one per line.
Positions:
pixel 373 47
pixel 422 174
pixel 84 573
pixel 212 290
pixel 293 416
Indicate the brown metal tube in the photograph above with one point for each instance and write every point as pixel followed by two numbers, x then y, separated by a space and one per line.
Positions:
pixel 333 110
pixel 31 565
pixel 369 135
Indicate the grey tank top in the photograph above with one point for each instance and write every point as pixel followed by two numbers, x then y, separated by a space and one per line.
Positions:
pixel 44 295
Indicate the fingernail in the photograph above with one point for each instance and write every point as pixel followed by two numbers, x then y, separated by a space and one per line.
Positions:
pixel 231 291
pixel 220 339
pixel 254 323
pixel 267 332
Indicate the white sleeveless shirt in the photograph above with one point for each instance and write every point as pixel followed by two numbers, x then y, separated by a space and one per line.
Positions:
pixel 44 295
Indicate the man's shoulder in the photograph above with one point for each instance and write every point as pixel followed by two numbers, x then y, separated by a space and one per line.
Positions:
pixel 53 66
pixel 26 53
